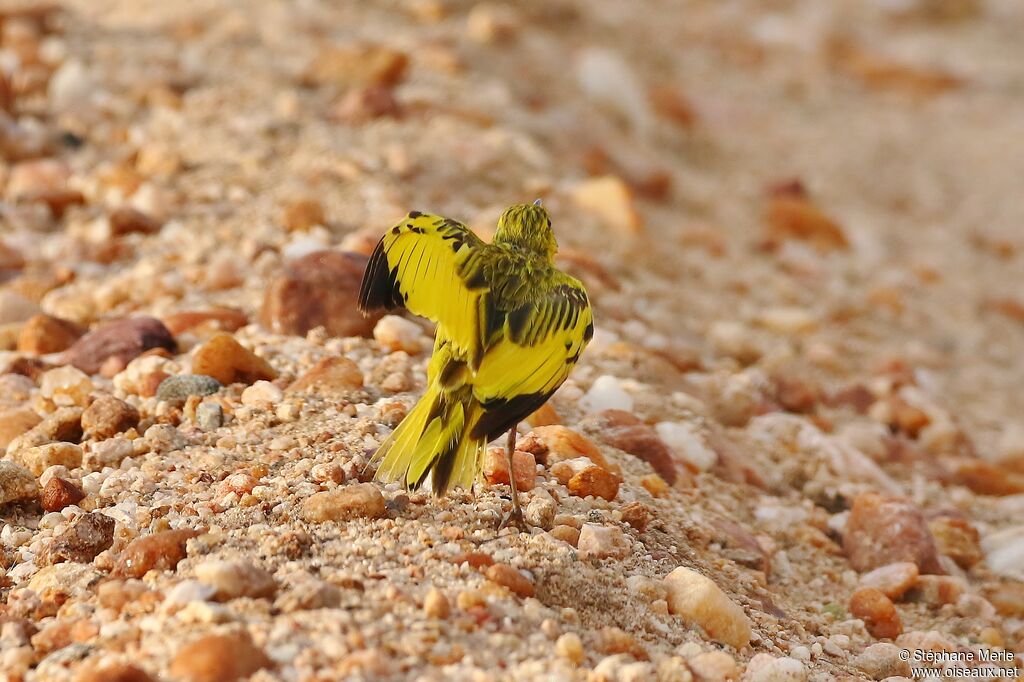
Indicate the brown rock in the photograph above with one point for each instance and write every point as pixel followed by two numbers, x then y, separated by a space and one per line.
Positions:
pixel 906 418
pixel 126 220
pixel 1008 598
pixel 957 539
pixel 113 672
pixel 303 214
pixel 697 599
pixel 792 215
pixel 637 514
pixel 892 580
pixel 476 560
pixel 550 444
pixel 64 425
pixel 107 417
pixel 360 105
pixel 884 530
pixel 331 376
pixel 229 362
pixel 218 319
pixel 17 484
pixel 41 457
pixel 354 501
pixel 627 433
pixel 506 576
pixel 878 613
pixel 219 658
pixel 655 485
pixel 937 590
pixel 89 535
pixel 320 289
pixel 496 468
pixel 15 422
pixel 985 478
pixel 24 366
pixel 44 334
pixel 436 604
pixel 545 415
pixel 234 579
pixel 357 65
pixel 566 534
pixel 160 551
pixel 118 343
pixel 593 480
pixel 59 493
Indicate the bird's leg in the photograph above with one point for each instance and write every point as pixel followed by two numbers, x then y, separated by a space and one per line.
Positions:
pixel 516 515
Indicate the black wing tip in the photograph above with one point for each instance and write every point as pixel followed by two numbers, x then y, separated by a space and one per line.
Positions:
pixel 379 289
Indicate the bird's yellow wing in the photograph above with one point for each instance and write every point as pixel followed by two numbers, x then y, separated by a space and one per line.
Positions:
pixel 530 354
pixel 433 267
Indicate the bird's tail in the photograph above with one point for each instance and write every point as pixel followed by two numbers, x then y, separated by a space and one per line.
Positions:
pixel 434 441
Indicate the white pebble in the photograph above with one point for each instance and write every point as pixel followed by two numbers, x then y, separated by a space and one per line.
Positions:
pixel 687 443
pixel 606 394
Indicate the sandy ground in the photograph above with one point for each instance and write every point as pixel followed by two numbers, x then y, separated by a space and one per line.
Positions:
pixel 798 225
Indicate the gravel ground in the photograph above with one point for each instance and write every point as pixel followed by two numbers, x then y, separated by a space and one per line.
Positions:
pixel 794 449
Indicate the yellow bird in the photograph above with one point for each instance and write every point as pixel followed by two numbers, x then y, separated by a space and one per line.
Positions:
pixel 510 328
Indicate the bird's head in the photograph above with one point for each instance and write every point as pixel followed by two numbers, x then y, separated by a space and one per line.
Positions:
pixel 527 226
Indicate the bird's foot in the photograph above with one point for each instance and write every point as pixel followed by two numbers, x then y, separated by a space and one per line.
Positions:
pixel 514 517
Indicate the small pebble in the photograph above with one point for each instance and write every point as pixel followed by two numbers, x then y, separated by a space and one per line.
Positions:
pixel 506 576
pixel 234 579
pixel 209 416
pixel 882 660
pixel 882 530
pixel 713 666
pixel 606 394
pixel 219 658
pixel 892 579
pixel 59 493
pixel 179 387
pixel 66 386
pixel 108 416
pixel 89 535
pixel 540 512
pixel 570 647
pixel 435 604
pixel 362 500
pixel 396 333
pixel 697 599
pixel 42 457
pixel 161 551
pixel 227 361
pixel 119 341
pixel 17 484
pixel 262 394
pixel 332 376
pixel 495 468
pixel 566 534
pixel 602 542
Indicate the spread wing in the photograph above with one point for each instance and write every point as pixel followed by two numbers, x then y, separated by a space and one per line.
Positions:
pixel 531 352
pixel 433 267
